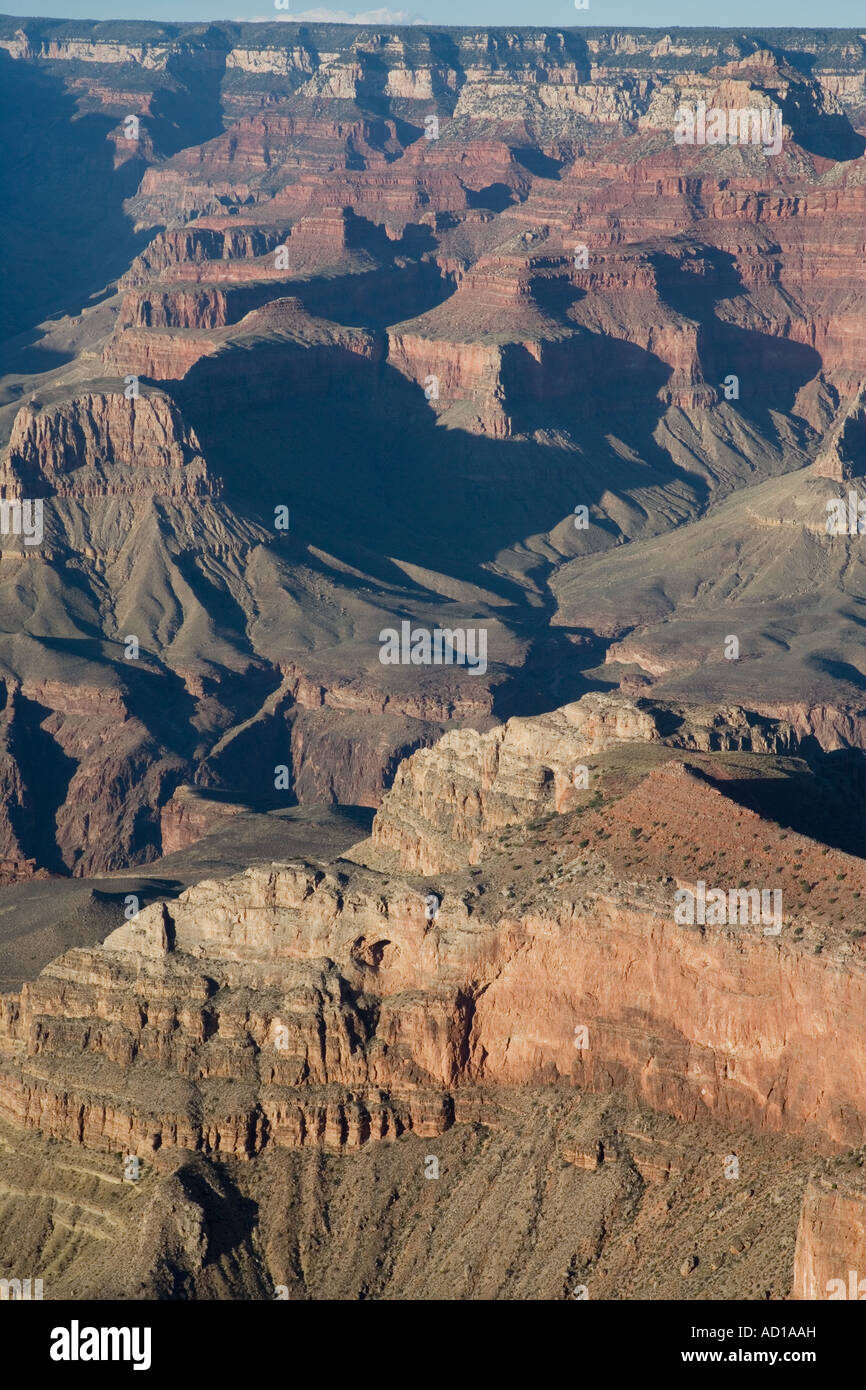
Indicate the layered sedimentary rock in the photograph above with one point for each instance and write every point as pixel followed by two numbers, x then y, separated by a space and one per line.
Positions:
pixel 369 1226
pixel 418 305
pixel 188 817
pixel 296 1004
pixel 446 802
pixel 105 445
pixel 301 1006
pixel 432 294
pixel 77 813
pixel 831 1240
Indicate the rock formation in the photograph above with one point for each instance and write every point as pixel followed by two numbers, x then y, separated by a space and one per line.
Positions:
pixel 405 259
pixel 299 1005
pixel 361 330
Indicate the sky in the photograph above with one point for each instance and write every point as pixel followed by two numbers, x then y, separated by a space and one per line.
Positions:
pixel 746 14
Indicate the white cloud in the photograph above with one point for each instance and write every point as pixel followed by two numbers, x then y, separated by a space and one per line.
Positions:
pixel 335 17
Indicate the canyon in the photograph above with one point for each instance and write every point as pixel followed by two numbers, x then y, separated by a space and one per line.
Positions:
pixel 305 1007
pixel 358 326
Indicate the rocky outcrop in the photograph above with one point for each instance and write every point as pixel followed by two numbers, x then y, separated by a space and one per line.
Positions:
pixel 193 308
pixel 84 779
pixel 105 445
pixel 297 1005
pixel 188 816
pixel 309 1031
pixel 159 354
pixel 844 458
pixel 447 801
pixel 176 253
pixel 830 1258
pixel 455 372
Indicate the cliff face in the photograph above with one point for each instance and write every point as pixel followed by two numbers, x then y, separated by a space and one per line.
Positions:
pixel 831 1241
pixel 447 802
pixel 105 445
pixel 844 458
pixel 68 808
pixel 303 1006
pixel 369 1224
pixel 220 1005
pixel 606 74
pixel 297 1004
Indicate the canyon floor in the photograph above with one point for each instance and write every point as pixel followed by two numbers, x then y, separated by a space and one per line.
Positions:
pixel 372 975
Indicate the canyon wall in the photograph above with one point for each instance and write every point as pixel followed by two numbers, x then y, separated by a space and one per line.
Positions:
pixel 303 1004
